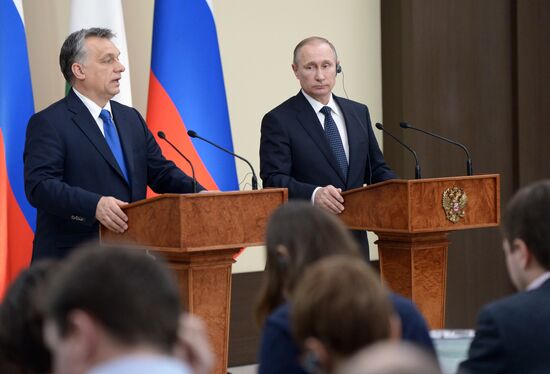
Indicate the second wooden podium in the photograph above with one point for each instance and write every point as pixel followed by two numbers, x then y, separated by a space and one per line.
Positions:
pixel 412 219
pixel 198 235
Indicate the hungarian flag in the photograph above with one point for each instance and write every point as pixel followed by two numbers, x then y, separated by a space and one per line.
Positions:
pixel 187 92
pixel 17 216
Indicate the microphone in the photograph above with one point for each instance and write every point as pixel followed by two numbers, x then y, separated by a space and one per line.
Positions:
pixel 193 134
pixel 379 126
pixel 406 125
pixel 162 135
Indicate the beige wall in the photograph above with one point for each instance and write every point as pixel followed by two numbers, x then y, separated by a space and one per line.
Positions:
pixel 256 41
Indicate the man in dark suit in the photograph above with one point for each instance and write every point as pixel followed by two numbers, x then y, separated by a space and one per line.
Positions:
pixel 317 144
pixel 87 156
pixel 513 334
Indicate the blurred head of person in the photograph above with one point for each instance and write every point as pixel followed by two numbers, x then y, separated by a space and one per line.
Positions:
pixel 298 234
pixel 108 302
pixel 22 347
pixel 390 357
pixel 338 308
pixel 526 231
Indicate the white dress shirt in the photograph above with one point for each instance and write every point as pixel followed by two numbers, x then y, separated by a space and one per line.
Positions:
pixel 138 364
pixel 95 109
pixel 539 281
pixel 338 117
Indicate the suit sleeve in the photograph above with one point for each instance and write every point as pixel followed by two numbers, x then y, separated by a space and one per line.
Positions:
pixel 377 169
pixel 278 352
pixel 276 159
pixel 486 353
pixel 44 159
pixel 163 176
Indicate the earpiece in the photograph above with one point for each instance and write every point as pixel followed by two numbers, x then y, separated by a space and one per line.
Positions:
pixel 338 68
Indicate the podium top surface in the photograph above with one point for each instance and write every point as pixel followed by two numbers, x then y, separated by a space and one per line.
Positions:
pixel 184 223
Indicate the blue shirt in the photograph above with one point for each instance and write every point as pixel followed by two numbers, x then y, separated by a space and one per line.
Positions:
pixel 142 364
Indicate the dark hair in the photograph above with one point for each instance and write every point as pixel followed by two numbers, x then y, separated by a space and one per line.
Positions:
pixel 311 40
pixel 341 302
pixel 527 217
pixel 22 320
pixel 73 49
pixel 132 295
pixel 308 233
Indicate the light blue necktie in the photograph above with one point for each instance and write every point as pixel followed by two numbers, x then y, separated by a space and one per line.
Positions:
pixel 335 141
pixel 111 136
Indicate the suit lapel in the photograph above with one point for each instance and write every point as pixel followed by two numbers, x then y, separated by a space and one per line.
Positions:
pixel 83 119
pixel 310 122
pixel 356 137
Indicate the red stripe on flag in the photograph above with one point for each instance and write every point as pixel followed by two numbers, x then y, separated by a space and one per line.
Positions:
pixel 15 234
pixel 162 115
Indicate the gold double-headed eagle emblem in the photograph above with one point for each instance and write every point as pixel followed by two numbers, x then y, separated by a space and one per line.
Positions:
pixel 454 201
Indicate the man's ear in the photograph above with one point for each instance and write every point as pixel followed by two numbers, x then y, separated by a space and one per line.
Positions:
pixel 295 69
pixel 78 71
pixel 521 253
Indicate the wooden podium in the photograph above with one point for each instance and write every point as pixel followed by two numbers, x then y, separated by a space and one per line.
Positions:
pixel 412 226
pixel 198 235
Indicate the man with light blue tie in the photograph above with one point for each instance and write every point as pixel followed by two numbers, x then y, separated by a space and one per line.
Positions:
pixel 317 144
pixel 87 156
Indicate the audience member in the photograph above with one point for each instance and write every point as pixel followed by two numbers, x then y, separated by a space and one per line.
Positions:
pixel 390 357
pixel 513 334
pixel 298 235
pixel 339 307
pixel 114 310
pixel 22 347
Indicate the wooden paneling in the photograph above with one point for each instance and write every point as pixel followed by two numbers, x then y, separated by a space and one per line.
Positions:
pixel 533 82
pixel 244 335
pixel 448 67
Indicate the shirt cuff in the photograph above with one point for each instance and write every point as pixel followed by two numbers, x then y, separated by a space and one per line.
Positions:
pixel 313 195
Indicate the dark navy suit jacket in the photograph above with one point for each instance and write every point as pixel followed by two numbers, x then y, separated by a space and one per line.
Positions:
pixel 279 353
pixel 69 167
pixel 295 154
pixel 513 335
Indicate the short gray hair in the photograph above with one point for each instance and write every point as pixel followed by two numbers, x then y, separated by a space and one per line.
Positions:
pixel 311 40
pixel 73 49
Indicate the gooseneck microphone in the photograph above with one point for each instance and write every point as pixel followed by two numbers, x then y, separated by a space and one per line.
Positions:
pixel 193 134
pixel 406 125
pixel 417 173
pixel 162 135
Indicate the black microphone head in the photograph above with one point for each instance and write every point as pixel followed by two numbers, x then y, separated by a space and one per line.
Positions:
pixel 161 135
pixel 379 126
pixel 192 134
pixel 404 125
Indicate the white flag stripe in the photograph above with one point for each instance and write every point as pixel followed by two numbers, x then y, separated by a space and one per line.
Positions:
pixel 108 14
pixel 19 5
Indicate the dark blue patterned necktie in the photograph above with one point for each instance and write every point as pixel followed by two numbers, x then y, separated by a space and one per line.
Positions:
pixel 111 136
pixel 335 141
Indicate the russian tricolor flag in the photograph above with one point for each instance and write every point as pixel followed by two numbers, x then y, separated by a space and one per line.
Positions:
pixel 187 92
pixel 17 216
